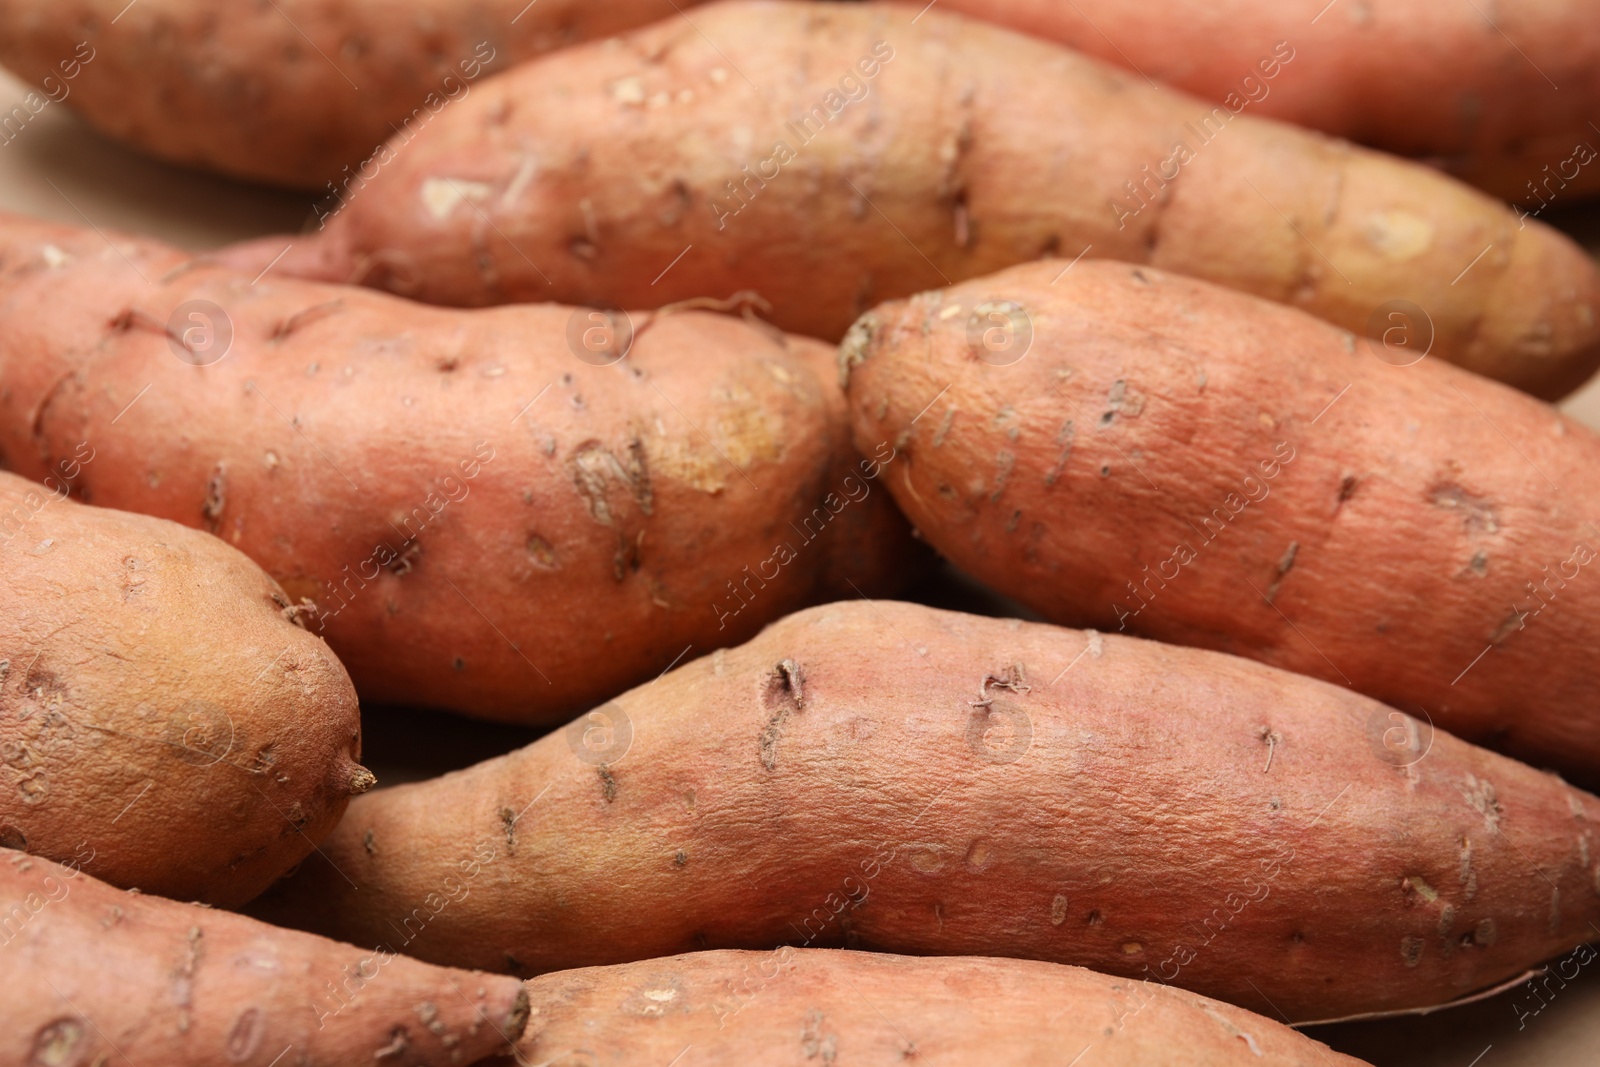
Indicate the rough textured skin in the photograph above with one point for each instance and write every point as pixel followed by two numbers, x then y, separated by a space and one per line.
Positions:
pixel 888 776
pixel 95 975
pixel 1496 92
pixel 481 520
pixel 1205 468
pixel 820 1006
pixel 163 724
pixel 970 149
pixel 288 92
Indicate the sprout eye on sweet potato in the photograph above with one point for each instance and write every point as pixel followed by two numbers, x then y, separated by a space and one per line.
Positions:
pixel 1143 452
pixel 512 513
pixel 886 776
pixel 164 723
pixel 855 153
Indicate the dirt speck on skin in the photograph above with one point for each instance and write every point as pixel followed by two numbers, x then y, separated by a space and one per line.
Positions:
pixel 1411 950
pixel 370 843
pixel 815 1042
pixel 216 498
pixel 1478 515
pixel 608 784
pixel 1285 565
pixel 508 826
pixel 1480 794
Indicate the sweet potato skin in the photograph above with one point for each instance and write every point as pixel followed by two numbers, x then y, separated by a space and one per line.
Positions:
pixel 1494 100
pixel 294 92
pixel 163 724
pixel 98 975
pixel 482 520
pixel 888 776
pixel 968 149
pixel 877 1009
pixel 1201 467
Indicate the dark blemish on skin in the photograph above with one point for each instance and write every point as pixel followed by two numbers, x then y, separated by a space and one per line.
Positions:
pixel 1105 471
pixel 785 688
pixel 1509 626
pixel 1479 564
pixel 1014 679
pixel 1285 564
pixel 1477 514
pixel 369 842
pixel 1094 919
pixel 1347 489
pixel 1272 740
pixel 216 498
pixel 1297 938
pixel 403 563
pixel 286 326
pixel 542 553
pixel 508 825
pixel 680 858
pixel 459 664
pixel 608 784
pixel 446 364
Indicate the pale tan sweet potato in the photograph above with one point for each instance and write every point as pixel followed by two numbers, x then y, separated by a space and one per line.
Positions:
pixel 95 975
pixel 832 156
pixel 289 92
pixel 1501 94
pixel 888 776
pixel 474 516
pixel 164 723
pixel 1150 453
pixel 819 1006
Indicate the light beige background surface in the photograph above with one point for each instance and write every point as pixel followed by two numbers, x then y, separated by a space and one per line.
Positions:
pixel 56 169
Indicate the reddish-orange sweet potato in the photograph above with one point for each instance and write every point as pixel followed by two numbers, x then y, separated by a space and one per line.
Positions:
pixel 1141 451
pixel 95 975
pixel 816 1006
pixel 479 511
pixel 833 156
pixel 291 92
pixel 1501 94
pixel 164 724
pixel 889 776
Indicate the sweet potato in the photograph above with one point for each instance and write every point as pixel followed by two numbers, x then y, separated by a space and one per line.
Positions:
pixel 1501 94
pixel 163 723
pixel 834 156
pixel 480 519
pixel 819 1005
pixel 1202 467
pixel 890 776
pixel 95 975
pixel 291 92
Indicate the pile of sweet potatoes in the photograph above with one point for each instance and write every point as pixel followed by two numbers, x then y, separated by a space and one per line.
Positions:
pixel 727 350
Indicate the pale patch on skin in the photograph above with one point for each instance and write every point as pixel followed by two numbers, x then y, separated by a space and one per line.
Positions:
pixel 441 196
pixel 1399 236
